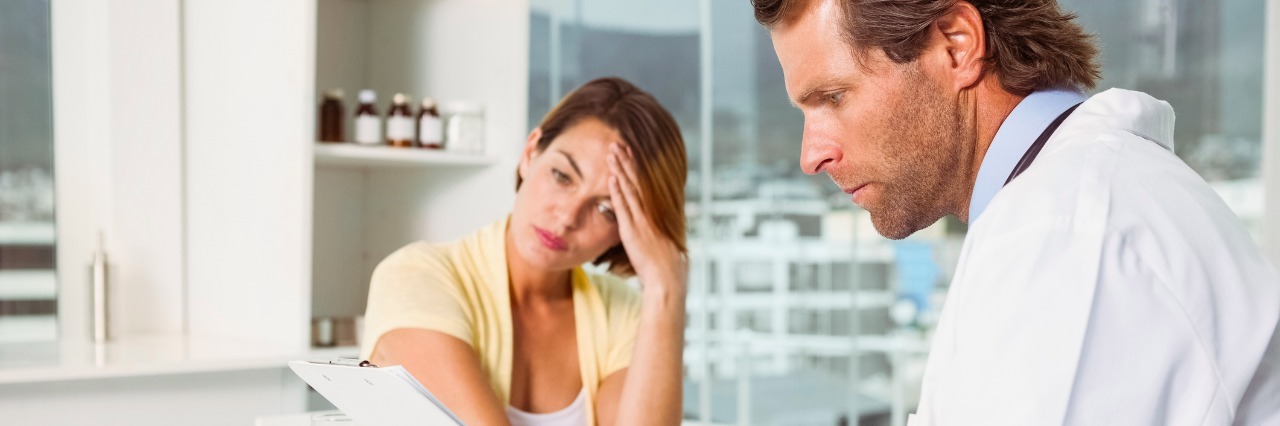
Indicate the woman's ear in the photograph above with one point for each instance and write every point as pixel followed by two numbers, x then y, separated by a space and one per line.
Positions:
pixel 530 150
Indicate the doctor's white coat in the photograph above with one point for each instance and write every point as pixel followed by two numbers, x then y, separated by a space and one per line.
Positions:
pixel 1107 285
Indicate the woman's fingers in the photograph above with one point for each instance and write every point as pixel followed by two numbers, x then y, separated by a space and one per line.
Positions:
pixel 628 163
pixel 621 209
pixel 625 186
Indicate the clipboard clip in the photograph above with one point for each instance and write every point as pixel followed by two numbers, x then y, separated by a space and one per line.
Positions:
pixel 350 362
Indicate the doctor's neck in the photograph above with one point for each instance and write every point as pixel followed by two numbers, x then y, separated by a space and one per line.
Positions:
pixel 986 106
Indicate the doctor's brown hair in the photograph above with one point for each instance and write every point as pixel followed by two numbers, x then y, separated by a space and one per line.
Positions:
pixel 655 141
pixel 1031 44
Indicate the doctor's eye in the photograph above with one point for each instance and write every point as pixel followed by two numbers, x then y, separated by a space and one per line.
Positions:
pixel 834 97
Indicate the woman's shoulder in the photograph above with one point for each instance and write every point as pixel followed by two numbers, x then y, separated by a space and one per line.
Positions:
pixel 462 264
pixel 456 254
pixel 416 255
pixel 421 267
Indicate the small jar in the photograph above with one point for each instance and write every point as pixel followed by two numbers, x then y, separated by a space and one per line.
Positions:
pixel 463 127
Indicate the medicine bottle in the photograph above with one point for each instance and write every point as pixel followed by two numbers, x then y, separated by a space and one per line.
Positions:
pixel 368 123
pixel 331 117
pixel 430 128
pixel 400 122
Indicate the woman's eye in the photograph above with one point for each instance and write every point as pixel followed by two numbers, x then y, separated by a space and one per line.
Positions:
pixel 607 212
pixel 560 177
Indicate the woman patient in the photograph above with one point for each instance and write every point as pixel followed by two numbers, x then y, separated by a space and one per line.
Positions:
pixel 504 327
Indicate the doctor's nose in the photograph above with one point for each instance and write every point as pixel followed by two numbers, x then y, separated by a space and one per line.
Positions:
pixel 817 154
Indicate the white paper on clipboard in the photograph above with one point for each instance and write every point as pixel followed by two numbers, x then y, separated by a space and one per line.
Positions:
pixel 375 396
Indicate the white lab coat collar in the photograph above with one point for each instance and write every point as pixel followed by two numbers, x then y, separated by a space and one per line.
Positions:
pixel 1134 112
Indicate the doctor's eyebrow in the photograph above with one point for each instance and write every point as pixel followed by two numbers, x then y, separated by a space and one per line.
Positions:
pixel 572 163
pixel 821 85
pixel 795 103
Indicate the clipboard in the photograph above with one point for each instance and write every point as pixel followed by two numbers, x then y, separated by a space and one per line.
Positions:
pixel 372 395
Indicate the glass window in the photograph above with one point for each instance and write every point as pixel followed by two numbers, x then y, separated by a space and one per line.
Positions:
pixel 28 287
pixel 799 311
pixel 1206 59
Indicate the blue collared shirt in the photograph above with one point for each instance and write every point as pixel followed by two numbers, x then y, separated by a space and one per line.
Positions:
pixel 1019 130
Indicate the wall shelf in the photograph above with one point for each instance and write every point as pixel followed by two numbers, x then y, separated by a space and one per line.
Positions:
pixel 351 155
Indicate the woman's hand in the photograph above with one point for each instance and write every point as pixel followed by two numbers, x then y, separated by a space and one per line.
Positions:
pixel 648 391
pixel 656 259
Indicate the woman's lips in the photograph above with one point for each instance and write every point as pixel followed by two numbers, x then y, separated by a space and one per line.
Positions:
pixel 550 240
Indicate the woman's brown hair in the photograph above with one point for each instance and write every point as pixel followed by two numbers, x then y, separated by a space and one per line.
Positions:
pixel 1031 44
pixel 655 141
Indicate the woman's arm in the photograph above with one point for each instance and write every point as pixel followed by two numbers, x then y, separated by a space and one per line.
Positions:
pixel 446 366
pixel 654 393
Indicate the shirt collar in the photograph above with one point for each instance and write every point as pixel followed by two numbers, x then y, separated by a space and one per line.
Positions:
pixel 1020 129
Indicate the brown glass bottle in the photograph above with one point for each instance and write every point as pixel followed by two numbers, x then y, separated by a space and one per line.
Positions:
pixel 430 128
pixel 331 117
pixel 400 122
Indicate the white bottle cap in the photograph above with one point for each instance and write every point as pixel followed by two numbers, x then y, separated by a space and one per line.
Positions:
pixel 368 96
pixel 399 99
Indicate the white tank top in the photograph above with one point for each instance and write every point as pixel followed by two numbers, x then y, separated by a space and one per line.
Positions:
pixel 573 415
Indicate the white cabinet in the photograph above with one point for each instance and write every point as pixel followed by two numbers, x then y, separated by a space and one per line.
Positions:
pixel 281 229
pixel 369 201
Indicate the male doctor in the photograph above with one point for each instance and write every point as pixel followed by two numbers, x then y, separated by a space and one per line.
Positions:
pixel 1102 282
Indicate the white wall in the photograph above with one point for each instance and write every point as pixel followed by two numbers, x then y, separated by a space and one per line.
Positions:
pixel 249 116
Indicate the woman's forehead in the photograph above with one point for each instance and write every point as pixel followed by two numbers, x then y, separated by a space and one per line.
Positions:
pixel 586 141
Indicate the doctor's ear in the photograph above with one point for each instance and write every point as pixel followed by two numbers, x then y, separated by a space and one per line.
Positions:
pixel 957 46
pixel 530 150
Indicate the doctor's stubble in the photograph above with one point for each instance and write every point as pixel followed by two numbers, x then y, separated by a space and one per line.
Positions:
pixel 923 164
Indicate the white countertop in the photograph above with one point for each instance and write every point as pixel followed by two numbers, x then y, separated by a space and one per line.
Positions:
pixel 145 356
pixel 304 419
